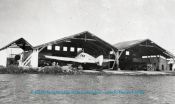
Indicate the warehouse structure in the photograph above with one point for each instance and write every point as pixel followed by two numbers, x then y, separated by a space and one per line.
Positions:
pixel 70 47
pixel 144 55
pixel 130 55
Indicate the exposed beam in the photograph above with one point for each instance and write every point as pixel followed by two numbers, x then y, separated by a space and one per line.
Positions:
pixel 146 45
pixel 85 39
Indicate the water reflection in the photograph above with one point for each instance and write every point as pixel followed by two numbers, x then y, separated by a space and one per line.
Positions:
pixel 16 89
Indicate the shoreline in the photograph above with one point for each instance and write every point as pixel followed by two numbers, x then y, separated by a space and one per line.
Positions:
pixel 121 72
pixel 74 71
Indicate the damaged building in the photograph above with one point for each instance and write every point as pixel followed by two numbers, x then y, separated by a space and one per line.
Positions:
pixel 143 55
pixel 130 55
pixel 65 48
pixel 16 53
pixel 69 47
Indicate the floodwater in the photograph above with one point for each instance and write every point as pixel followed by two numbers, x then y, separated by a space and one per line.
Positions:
pixel 16 89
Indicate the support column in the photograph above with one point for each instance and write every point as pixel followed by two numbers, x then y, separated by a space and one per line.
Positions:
pixel 34 58
pixel 173 67
pixel 116 62
pixel 3 55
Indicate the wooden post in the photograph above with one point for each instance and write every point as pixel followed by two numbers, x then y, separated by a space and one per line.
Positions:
pixel 3 55
pixel 116 59
pixel 34 58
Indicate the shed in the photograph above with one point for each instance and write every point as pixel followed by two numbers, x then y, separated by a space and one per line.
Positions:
pixel 20 46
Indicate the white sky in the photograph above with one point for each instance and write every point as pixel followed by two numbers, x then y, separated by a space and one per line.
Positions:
pixel 41 21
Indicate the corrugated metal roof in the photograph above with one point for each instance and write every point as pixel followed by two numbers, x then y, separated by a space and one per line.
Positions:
pixel 128 44
pixel 21 42
pixel 73 36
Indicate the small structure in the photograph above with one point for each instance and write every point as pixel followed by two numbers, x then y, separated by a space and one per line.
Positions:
pixel 143 55
pixel 16 53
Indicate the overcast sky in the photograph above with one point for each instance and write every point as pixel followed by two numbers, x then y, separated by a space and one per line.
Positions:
pixel 114 21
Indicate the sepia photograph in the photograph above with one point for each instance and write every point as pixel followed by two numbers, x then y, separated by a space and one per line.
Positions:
pixel 87 52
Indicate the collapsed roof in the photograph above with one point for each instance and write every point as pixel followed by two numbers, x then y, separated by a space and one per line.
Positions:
pixel 19 43
pixel 144 47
